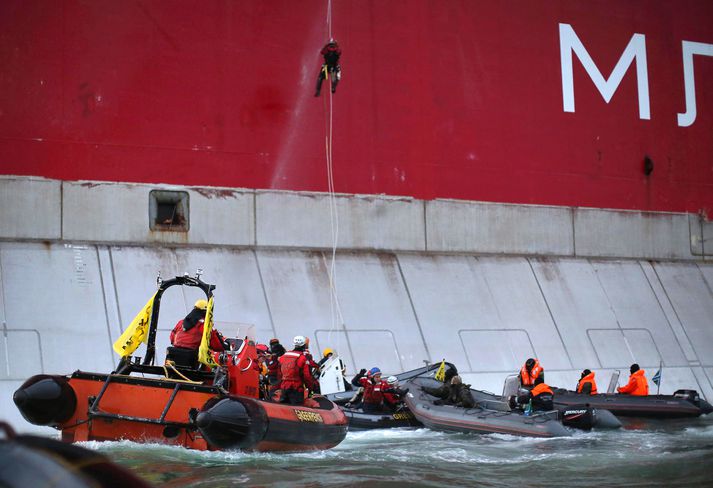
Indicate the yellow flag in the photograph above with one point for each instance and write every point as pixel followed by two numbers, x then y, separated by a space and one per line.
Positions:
pixel 441 373
pixel 137 332
pixel 204 355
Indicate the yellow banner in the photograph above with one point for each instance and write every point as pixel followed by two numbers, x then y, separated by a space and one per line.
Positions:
pixel 441 373
pixel 204 355
pixel 137 332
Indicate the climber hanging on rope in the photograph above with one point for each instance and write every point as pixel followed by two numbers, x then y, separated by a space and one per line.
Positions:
pixel 331 53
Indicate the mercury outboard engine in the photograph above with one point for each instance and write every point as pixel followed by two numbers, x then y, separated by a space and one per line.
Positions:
pixel 579 417
pixel 693 397
pixel 689 395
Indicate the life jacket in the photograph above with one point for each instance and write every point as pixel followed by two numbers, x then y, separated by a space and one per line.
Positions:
pixel 587 379
pixel 373 393
pixel 637 385
pixel 187 339
pixel 528 378
pixel 540 389
pixel 291 364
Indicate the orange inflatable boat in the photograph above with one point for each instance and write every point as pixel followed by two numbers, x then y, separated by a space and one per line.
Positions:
pixel 198 409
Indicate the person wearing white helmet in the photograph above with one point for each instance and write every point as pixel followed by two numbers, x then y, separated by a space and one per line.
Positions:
pixel 295 373
pixel 393 395
pixel 187 334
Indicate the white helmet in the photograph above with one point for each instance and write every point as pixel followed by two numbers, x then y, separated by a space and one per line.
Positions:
pixel 299 341
pixel 392 380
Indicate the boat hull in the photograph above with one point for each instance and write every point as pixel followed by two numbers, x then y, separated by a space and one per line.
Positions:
pixel 191 415
pixel 649 406
pixel 479 420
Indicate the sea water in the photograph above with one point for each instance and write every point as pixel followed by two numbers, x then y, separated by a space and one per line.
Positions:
pixel 675 453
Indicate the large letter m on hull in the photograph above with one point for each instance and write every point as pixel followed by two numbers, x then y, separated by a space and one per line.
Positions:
pixel 635 52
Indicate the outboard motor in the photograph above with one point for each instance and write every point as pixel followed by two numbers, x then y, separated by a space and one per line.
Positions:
pixel 579 417
pixel 688 395
pixel 46 400
pixel 229 423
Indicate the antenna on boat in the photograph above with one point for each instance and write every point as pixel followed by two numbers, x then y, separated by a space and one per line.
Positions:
pixel 159 281
pixel 199 272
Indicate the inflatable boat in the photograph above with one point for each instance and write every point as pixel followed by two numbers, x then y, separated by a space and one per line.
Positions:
pixel 683 403
pixel 220 408
pixel 582 415
pixel 36 461
pixel 479 419
pixel 361 420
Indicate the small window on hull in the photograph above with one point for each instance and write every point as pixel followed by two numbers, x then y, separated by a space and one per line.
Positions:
pixel 168 210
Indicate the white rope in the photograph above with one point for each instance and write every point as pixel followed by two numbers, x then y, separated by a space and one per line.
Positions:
pixel 335 309
pixel 329 17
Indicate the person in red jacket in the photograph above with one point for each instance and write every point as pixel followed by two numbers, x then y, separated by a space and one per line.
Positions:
pixel 331 53
pixel 373 397
pixel 637 384
pixel 531 374
pixel 313 365
pixel 295 374
pixel 586 383
pixel 188 332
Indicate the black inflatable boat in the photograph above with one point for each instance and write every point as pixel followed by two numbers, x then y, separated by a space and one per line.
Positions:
pixel 683 403
pixel 582 415
pixel 360 420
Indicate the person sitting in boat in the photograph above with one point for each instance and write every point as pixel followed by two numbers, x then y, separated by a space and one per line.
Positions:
pixel 455 392
pixel 295 374
pixel 531 373
pixel 637 384
pixel 586 384
pixel 541 396
pixel 186 337
pixel 373 395
pixel 393 395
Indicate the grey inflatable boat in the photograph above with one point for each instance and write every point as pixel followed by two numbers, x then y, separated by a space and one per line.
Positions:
pixel 490 417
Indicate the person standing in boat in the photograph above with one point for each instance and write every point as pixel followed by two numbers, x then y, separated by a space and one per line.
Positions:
pixel 187 333
pixel 295 374
pixel 326 354
pixel 531 373
pixel 313 366
pixel 637 385
pixel 586 384
pixel 273 365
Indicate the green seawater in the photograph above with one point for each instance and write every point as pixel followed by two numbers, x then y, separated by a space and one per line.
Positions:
pixel 643 454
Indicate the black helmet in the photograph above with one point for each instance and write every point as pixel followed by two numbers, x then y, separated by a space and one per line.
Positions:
pixel 586 372
pixel 634 368
pixel 529 364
